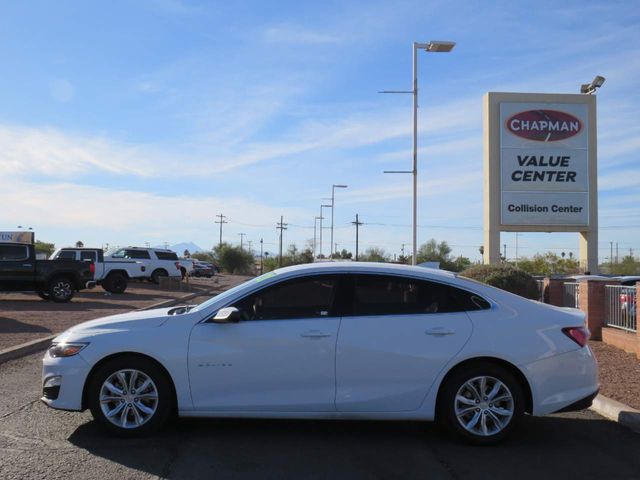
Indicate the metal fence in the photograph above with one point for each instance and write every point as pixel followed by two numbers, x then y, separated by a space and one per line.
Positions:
pixel 571 292
pixel 621 307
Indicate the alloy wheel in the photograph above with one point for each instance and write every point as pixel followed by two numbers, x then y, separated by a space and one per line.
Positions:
pixel 484 406
pixel 128 398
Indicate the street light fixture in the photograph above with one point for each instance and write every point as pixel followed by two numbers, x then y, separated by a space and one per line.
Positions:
pixel 434 46
pixel 590 88
pixel 333 208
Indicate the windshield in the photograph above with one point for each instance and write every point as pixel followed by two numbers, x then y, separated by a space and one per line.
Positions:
pixel 234 290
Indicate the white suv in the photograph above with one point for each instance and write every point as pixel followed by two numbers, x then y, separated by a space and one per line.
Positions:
pixel 158 262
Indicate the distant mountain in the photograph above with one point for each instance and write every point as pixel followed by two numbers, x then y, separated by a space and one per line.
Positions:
pixel 179 248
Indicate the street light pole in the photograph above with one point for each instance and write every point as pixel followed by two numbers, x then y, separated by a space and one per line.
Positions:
pixel 320 234
pixel 333 208
pixel 436 47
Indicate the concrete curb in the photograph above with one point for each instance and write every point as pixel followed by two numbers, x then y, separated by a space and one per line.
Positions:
pixel 618 412
pixel 40 344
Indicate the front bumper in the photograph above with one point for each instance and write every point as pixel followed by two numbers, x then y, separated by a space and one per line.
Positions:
pixel 70 374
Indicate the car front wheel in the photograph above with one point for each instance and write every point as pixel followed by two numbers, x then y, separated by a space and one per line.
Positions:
pixel 61 290
pixel 130 396
pixel 481 404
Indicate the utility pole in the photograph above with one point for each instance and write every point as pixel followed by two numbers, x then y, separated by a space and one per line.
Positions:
pixel 261 260
pixel 241 239
pixel 357 223
pixel 616 253
pixel 281 226
pixel 222 220
pixel 516 249
pixel 333 208
pixel 250 242
pixel 402 249
pixel 505 252
pixel 611 257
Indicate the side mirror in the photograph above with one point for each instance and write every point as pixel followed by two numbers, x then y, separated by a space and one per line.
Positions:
pixel 227 315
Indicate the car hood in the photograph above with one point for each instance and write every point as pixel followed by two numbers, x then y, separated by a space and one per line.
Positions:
pixel 124 321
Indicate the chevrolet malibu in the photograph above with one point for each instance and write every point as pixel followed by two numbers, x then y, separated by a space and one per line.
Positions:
pixel 331 341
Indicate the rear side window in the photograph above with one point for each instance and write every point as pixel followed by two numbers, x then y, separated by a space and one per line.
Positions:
pixel 390 295
pixel 66 255
pixel 166 255
pixel 88 256
pixel 13 252
pixel 140 254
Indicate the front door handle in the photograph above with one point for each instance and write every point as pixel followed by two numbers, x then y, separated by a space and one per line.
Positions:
pixel 439 331
pixel 315 334
pixel 27 265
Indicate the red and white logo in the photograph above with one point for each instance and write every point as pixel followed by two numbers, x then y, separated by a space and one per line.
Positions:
pixel 544 125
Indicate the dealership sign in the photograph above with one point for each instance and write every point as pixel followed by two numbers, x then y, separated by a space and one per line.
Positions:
pixel 17 237
pixel 544 164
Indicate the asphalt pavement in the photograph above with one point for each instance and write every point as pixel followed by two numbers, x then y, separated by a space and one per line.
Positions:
pixel 37 442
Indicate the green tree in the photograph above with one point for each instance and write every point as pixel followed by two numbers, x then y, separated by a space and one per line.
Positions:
pixel 549 264
pixel 374 254
pixel 79 244
pixel 506 277
pixel 342 255
pixel 628 266
pixel 204 256
pixel 232 259
pixel 432 251
pixel 44 247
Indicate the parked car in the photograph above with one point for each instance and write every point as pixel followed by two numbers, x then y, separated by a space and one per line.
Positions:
pixel 203 269
pixel 158 262
pixel 112 275
pixel 335 341
pixel 628 296
pixel 57 280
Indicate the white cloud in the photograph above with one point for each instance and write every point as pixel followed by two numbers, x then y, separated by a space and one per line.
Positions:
pixel 297 35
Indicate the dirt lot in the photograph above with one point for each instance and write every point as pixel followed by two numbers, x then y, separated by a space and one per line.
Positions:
pixel 25 317
pixel 619 374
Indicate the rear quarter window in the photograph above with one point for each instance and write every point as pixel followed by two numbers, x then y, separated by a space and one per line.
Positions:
pixel 166 255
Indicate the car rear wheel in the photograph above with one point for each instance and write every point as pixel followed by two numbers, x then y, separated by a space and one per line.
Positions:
pixel 130 396
pixel 481 403
pixel 155 276
pixel 115 283
pixel 61 289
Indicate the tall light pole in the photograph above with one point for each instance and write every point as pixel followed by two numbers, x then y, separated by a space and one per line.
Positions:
pixel 435 47
pixel 315 245
pixel 320 234
pixel 333 208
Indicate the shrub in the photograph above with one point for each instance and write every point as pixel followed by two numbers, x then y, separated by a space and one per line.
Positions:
pixel 234 259
pixel 505 277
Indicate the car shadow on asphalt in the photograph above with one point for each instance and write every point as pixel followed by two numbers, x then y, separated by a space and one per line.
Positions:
pixel 43 306
pixel 560 446
pixel 10 325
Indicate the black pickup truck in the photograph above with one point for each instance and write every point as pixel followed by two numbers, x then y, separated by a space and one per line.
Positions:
pixel 55 280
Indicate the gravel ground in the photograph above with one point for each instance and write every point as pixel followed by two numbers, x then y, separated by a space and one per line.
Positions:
pixel 619 374
pixel 25 317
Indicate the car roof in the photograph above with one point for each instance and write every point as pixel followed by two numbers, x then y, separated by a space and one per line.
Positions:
pixel 365 267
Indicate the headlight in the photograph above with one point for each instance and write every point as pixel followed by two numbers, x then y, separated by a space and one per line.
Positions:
pixel 65 349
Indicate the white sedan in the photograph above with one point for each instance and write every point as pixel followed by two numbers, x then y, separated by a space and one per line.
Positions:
pixel 331 341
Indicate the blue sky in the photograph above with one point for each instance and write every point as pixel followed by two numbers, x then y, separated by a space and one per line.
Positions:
pixel 132 122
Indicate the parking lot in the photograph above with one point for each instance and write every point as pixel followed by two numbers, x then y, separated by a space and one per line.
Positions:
pixel 36 442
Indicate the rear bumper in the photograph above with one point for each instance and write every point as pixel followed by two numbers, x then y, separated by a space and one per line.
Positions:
pixel 562 381
pixel 581 404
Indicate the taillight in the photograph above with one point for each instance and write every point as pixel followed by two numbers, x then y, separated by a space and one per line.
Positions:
pixel 580 335
pixel 92 268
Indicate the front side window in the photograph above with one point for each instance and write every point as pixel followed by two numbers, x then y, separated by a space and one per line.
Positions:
pixel 120 253
pixel 13 252
pixel 307 297
pixel 390 295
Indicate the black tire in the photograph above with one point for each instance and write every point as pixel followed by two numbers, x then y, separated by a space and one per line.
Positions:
pixel 446 414
pixel 61 289
pixel 155 276
pixel 44 295
pixel 164 407
pixel 115 283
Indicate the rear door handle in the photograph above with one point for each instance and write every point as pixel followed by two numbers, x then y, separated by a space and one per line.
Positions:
pixel 439 331
pixel 315 334
pixel 27 265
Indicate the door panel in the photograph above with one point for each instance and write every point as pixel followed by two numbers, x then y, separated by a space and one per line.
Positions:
pixel 279 365
pixel 279 357
pixel 388 363
pixel 17 270
pixel 397 334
